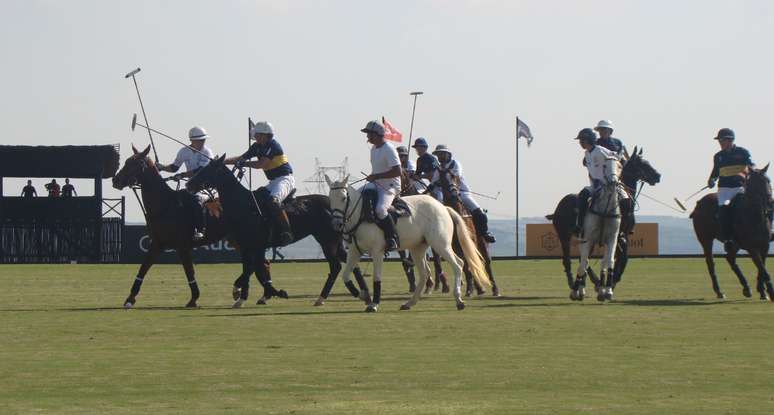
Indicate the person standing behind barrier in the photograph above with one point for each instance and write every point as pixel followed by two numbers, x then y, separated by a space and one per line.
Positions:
pixel 68 190
pixel 29 191
pixel 193 160
pixel 53 188
pixel 384 179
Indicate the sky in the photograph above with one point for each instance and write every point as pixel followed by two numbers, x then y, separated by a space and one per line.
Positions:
pixel 668 74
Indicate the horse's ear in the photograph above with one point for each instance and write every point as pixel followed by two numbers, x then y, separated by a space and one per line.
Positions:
pixel 145 152
pixel 328 180
pixel 346 178
pixel 641 152
pixel 635 151
pixel 763 170
pixel 134 150
pixel 222 158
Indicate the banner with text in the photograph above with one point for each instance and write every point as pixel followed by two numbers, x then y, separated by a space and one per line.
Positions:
pixel 542 240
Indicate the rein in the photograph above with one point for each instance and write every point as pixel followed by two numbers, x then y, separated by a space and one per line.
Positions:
pixel 349 235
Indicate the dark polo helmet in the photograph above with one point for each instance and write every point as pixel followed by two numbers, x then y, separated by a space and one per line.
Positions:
pixel 725 133
pixel 588 135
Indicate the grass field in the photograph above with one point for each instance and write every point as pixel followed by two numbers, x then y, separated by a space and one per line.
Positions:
pixel 664 346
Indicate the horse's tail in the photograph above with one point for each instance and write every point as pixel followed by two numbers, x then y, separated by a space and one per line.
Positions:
pixel 472 256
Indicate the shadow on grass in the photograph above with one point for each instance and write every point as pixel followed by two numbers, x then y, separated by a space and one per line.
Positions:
pixel 680 302
pixel 139 308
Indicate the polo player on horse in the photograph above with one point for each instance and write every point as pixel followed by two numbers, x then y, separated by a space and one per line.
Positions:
pixel 195 156
pixel 730 167
pixel 426 162
pixel 274 163
pixel 384 180
pixel 601 164
pixel 452 168
pixel 617 147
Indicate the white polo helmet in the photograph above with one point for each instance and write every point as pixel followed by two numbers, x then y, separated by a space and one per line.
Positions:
pixel 604 124
pixel 197 133
pixel 262 127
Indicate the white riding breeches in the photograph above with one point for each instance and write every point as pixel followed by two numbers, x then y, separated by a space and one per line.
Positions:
pixel 384 198
pixel 280 187
pixel 726 194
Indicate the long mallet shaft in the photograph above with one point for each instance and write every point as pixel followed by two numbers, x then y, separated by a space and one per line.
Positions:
pixel 682 206
pixel 142 107
pixel 136 124
pixel 413 111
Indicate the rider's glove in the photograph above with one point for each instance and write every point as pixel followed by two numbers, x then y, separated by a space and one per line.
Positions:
pixel 239 163
pixel 711 182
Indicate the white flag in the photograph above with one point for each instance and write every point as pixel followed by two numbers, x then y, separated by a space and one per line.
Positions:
pixel 522 130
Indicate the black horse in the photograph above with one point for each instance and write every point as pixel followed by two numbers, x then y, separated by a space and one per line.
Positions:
pixel 309 215
pixel 752 231
pixel 565 216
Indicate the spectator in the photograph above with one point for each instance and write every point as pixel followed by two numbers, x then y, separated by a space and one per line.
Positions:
pixel 68 190
pixel 29 191
pixel 53 188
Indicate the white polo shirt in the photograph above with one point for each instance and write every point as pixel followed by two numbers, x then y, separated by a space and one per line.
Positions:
pixel 193 159
pixel 383 159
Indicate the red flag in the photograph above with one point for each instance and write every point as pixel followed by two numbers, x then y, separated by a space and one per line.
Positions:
pixel 391 133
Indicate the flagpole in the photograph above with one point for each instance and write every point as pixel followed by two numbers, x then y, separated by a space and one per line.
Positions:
pixel 517 186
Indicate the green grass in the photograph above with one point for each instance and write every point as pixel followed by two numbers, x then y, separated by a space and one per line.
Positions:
pixel 665 346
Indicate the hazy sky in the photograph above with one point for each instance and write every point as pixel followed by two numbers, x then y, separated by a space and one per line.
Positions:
pixel 669 74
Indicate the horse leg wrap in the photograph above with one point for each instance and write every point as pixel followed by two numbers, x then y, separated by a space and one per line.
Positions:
pixel 136 286
pixel 377 292
pixel 352 289
pixel 328 286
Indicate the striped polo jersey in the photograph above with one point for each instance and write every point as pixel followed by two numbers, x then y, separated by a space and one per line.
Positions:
pixel 613 144
pixel 729 166
pixel 278 162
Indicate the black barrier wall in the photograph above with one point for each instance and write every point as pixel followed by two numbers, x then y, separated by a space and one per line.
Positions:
pixel 137 241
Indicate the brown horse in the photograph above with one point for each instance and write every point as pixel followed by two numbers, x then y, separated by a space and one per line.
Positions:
pixel 451 198
pixel 565 216
pixel 170 224
pixel 752 231
pixel 408 188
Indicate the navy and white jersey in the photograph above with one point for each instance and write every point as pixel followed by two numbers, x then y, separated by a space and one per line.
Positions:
pixel 426 164
pixel 278 162
pixel 730 166
pixel 614 145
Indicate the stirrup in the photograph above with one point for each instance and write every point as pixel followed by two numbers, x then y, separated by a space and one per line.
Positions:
pixel 390 245
pixel 198 236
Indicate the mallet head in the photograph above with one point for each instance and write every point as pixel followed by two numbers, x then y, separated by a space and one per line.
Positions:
pixel 680 205
pixel 416 93
pixel 134 121
pixel 132 73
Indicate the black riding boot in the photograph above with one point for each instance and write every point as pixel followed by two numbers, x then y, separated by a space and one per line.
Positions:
pixel 726 226
pixel 481 222
pixel 199 219
pixel 282 223
pixel 583 204
pixel 390 235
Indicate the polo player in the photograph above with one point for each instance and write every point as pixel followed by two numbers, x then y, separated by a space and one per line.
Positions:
pixel 426 162
pixel 602 167
pixel 274 163
pixel 606 140
pixel 730 166
pixel 450 167
pixel 384 179
pixel 195 156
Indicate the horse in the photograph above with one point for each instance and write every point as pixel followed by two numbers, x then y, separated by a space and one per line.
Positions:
pixel 429 224
pixel 308 215
pixel 169 223
pixel 565 216
pixel 600 226
pixel 752 230
pixel 409 188
pixel 450 187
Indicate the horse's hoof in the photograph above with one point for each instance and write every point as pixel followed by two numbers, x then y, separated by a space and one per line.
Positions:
pixel 496 292
pixel 282 294
pixel 573 296
pixel 128 305
pixel 129 302
pixel 320 301
pixel 261 301
pixel 412 288
pixel 371 308
pixel 601 297
pixel 238 303
pixel 745 292
pixel 445 289
pixel 191 304
pixel 236 292
pixel 405 307
pixel 722 296
pixel 460 306
pixel 609 296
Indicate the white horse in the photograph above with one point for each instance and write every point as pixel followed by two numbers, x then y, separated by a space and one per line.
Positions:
pixel 600 227
pixel 430 223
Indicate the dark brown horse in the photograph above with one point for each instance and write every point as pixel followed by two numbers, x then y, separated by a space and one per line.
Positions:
pixel 408 188
pixel 752 212
pixel 170 224
pixel 565 216
pixel 309 216
pixel 450 187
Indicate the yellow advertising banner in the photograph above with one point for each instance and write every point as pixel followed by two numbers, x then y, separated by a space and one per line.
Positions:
pixel 543 241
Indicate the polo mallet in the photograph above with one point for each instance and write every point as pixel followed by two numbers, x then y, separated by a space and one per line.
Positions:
pixel 142 107
pixel 689 198
pixel 413 111
pixel 136 124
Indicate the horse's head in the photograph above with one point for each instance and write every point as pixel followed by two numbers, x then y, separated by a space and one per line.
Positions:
pixel 134 167
pixel 340 199
pixel 450 185
pixel 637 168
pixel 758 185
pixel 208 176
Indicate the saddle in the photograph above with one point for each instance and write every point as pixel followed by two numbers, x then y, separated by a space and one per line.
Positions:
pixel 398 209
